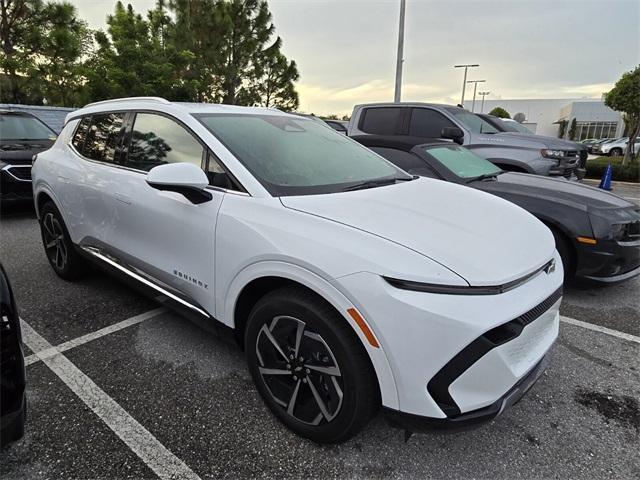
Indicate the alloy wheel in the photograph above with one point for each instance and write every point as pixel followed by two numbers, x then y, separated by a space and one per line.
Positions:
pixel 54 241
pixel 299 370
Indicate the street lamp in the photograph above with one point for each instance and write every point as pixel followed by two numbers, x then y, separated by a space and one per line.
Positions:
pixel 464 81
pixel 483 94
pixel 399 59
pixel 475 86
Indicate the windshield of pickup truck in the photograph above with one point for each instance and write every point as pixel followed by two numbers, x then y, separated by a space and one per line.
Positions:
pixel 514 126
pixel 297 156
pixel 462 162
pixel 472 121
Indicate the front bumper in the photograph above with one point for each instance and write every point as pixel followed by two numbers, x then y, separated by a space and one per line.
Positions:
pixel 484 344
pixel 469 420
pixel 608 261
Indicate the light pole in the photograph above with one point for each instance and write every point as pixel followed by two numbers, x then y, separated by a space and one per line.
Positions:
pixel 464 81
pixel 399 59
pixel 483 94
pixel 475 86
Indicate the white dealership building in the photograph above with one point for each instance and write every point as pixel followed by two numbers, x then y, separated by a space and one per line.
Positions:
pixel 543 116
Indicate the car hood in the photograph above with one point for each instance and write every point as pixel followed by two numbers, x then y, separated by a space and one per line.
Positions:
pixel 21 152
pixel 548 142
pixel 579 195
pixel 480 237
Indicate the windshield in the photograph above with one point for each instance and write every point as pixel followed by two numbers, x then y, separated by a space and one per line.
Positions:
pixel 461 162
pixel 23 127
pixel 298 156
pixel 472 121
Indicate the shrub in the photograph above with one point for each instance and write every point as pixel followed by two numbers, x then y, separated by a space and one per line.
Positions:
pixel 628 173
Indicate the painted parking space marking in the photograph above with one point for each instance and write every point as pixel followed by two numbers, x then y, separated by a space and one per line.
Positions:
pixel 155 455
pixel 63 347
pixel 598 328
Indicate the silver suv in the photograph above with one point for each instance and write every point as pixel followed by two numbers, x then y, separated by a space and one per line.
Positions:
pixel 509 151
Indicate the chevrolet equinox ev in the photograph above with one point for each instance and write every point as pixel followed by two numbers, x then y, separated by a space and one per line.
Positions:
pixel 349 283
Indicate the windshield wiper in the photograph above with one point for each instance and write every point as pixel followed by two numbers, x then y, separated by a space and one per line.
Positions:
pixel 377 183
pixel 485 176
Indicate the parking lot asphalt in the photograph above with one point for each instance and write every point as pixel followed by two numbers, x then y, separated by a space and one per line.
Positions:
pixel 161 397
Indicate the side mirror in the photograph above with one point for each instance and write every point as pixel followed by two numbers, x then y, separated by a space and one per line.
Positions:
pixel 453 133
pixel 183 178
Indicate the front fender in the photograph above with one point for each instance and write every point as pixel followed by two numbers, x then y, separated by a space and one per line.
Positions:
pixel 226 304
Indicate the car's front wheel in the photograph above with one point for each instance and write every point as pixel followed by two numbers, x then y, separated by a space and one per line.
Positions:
pixel 616 152
pixel 59 248
pixel 309 366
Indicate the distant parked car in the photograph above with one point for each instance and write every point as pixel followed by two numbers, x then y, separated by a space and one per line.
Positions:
pixel 22 136
pixel 592 147
pixel 337 125
pixel 597 233
pixel 12 395
pixel 509 125
pixel 588 141
pixel 636 146
pixel 615 148
pixel 511 151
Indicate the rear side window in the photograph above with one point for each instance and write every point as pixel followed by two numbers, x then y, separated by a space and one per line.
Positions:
pixel 381 120
pixel 103 137
pixel 156 140
pixel 81 134
pixel 426 122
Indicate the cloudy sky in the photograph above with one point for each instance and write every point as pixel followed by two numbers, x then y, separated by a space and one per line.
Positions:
pixel 345 49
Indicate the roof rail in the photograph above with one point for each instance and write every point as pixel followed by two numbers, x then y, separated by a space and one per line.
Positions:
pixel 129 99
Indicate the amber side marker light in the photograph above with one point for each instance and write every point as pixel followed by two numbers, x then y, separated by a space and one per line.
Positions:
pixel 364 327
pixel 587 240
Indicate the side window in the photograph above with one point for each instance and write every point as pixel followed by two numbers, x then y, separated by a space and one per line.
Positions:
pixel 407 161
pixel 103 137
pixel 426 122
pixel 81 134
pixel 381 120
pixel 156 140
pixel 218 176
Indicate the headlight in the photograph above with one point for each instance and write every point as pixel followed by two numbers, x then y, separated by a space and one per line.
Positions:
pixel 552 153
pixel 626 232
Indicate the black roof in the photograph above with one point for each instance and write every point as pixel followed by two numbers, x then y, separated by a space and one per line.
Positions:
pixel 399 142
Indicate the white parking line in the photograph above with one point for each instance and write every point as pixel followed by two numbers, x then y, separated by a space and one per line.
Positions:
pixel 155 455
pixel 598 328
pixel 63 347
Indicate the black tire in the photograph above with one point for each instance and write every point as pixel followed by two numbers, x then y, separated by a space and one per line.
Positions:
pixel 566 253
pixel 616 152
pixel 329 343
pixel 58 247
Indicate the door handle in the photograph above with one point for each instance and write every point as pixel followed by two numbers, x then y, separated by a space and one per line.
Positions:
pixel 123 198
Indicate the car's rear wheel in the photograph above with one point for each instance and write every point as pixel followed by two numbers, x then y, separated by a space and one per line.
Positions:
pixel 616 152
pixel 309 366
pixel 59 248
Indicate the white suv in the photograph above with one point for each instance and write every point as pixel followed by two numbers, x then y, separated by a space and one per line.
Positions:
pixel 349 283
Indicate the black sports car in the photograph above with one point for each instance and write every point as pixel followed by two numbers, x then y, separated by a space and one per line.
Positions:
pixel 12 394
pixel 597 233
pixel 22 136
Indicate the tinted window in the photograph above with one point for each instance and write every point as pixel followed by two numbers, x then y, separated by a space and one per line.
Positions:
pixel 103 137
pixel 296 156
pixel 472 121
pixel 407 161
pixel 428 123
pixel 218 176
pixel 23 127
pixel 81 134
pixel 156 140
pixel 337 126
pixel 381 120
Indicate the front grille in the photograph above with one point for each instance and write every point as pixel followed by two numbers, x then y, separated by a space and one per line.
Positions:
pixel 20 172
pixel 438 386
pixel 572 153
